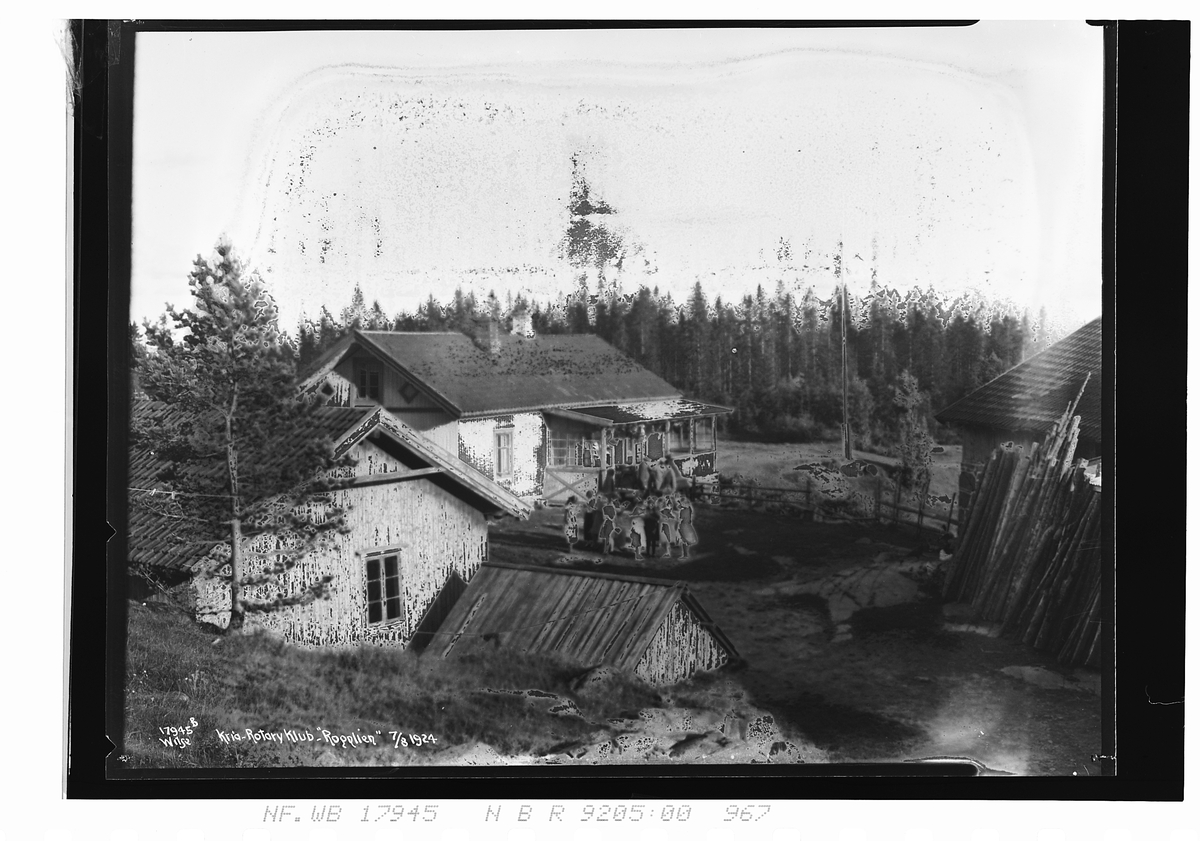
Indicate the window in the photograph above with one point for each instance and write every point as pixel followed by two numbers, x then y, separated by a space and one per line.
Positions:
pixel 623 451
pixel 504 452
pixel 573 452
pixel 681 438
pixel 384 604
pixel 367 376
pixel 654 446
pixel 705 440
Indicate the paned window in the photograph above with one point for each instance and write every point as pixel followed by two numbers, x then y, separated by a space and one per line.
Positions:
pixel 504 452
pixel 655 446
pixel 384 602
pixel 705 441
pixel 367 377
pixel 573 452
pixel 681 438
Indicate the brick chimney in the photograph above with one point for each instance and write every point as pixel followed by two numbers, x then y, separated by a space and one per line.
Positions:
pixel 486 336
pixel 522 323
pixel 493 337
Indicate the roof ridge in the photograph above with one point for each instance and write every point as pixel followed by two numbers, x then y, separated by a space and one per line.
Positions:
pixel 612 576
pixel 415 332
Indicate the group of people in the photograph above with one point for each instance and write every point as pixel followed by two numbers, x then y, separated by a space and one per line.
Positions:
pixel 642 525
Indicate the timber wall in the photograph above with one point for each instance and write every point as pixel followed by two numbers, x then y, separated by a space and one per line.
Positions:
pixel 680 647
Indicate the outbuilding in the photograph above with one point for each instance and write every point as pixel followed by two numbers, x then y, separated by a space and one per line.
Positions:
pixel 654 629
pixel 1021 406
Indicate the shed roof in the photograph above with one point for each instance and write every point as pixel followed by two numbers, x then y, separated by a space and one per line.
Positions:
pixel 152 527
pixel 590 617
pixel 525 374
pixel 1032 396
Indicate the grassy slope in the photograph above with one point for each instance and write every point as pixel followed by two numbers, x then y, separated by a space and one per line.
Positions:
pixel 174 673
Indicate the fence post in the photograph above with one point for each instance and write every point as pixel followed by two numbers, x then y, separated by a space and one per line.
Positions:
pixel 878 496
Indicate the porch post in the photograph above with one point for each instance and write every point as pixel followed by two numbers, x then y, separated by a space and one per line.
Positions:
pixel 603 460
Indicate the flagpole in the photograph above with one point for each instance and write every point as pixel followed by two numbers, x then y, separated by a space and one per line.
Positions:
pixel 848 454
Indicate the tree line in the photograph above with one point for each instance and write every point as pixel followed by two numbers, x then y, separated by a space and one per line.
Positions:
pixel 775 358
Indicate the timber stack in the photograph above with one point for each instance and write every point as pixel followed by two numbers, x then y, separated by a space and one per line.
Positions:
pixel 1029 559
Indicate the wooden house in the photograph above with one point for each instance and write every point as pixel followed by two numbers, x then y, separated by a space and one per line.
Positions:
pixel 656 630
pixel 546 417
pixel 418 532
pixel 1020 406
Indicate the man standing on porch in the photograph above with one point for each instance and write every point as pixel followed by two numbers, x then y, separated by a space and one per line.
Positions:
pixel 644 475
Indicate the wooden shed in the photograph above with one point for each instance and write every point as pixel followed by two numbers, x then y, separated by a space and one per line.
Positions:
pixel 652 628
pixel 418 521
pixel 1022 405
pixel 546 417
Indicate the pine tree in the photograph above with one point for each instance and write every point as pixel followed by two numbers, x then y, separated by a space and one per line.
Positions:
pixel 916 449
pixel 242 457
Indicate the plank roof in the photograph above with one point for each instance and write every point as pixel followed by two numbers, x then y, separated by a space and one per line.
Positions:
pixel 152 527
pixel 524 374
pixel 1032 396
pixel 590 617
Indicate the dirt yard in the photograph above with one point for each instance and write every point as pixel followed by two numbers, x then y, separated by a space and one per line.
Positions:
pixel 848 646
pixel 774 465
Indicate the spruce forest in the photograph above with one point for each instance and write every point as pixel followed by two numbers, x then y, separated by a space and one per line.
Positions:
pixel 776 359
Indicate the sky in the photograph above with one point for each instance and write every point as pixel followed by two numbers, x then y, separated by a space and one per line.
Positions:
pixel 966 159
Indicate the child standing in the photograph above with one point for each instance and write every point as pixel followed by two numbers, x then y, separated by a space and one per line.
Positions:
pixel 637 531
pixel 608 525
pixel 571 523
pixel 687 528
pixel 652 526
pixel 668 520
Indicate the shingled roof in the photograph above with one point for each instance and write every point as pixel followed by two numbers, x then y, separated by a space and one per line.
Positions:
pixel 151 526
pixel 1032 396
pixel 525 374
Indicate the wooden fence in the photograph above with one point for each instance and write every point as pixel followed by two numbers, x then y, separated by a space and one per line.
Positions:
pixel 811 500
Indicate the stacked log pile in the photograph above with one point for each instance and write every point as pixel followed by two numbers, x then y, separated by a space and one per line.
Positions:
pixel 1030 556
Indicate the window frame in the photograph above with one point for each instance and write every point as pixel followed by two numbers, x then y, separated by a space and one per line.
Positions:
pixel 573 453
pixel 679 436
pixel 500 469
pixel 390 600
pixel 709 422
pixel 364 371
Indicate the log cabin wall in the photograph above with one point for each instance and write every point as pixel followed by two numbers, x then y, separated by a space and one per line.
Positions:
pixel 679 649
pixel 479 440
pixel 437 534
